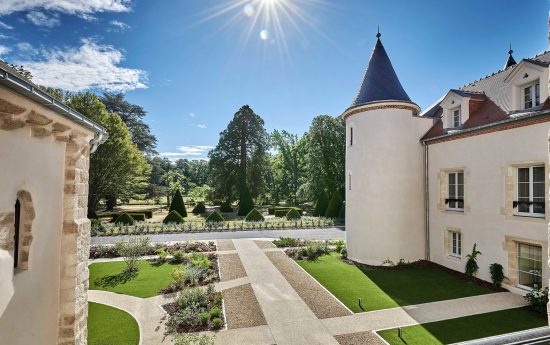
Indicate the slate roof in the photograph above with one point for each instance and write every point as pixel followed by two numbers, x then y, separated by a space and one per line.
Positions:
pixel 380 82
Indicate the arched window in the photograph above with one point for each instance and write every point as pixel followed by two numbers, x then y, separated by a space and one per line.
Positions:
pixel 16 234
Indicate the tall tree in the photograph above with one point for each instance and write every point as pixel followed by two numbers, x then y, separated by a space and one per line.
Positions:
pixel 288 164
pixel 326 153
pixel 240 158
pixel 117 167
pixel 132 115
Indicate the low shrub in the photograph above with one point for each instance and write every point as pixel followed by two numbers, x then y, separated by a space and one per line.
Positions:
pixel 133 250
pixel 217 322
pixel 215 217
pixel 497 274
pixel 204 317
pixel 194 274
pixel 338 245
pixel 254 216
pixel 293 214
pixel 312 252
pixel 344 253
pixel 103 251
pixel 138 217
pixel 125 219
pixel 285 242
pixel 538 300
pixel 199 208
pixel 179 276
pixel 280 213
pixel 96 227
pixel 162 253
pixel 173 218
pixel 201 260
pixel 178 256
pixel 272 210
pixel 215 313
pixel 226 207
pixel 192 298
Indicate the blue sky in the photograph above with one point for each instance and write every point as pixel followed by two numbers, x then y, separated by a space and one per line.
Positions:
pixel 192 63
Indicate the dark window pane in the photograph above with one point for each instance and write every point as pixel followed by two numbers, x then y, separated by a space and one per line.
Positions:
pixel 523 175
pixel 538 174
pixel 460 178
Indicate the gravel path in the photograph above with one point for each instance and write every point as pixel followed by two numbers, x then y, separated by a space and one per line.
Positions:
pixel 242 308
pixel 231 267
pixel 335 233
pixel 359 338
pixel 225 245
pixel 321 302
pixel 263 244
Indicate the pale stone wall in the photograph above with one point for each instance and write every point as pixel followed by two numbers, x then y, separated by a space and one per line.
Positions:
pixel 489 163
pixel 384 196
pixel 45 160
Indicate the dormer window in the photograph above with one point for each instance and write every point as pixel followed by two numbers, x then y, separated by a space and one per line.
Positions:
pixel 456 117
pixel 531 95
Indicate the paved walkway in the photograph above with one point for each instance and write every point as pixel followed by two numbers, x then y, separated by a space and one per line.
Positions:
pixel 335 233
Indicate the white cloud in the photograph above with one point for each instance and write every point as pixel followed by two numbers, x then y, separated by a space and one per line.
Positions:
pixel 192 151
pixel 83 8
pixel 90 66
pixel 5 26
pixel 24 46
pixel 201 126
pixel 198 125
pixel 40 19
pixel 4 50
pixel 118 26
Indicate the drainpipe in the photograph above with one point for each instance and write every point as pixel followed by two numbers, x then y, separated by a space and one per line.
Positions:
pixel 98 139
pixel 426 202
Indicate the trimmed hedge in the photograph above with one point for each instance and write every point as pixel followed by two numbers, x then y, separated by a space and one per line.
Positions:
pixel 334 206
pixel 272 210
pixel 173 217
pixel 215 217
pixel 321 205
pixel 125 219
pixel 177 204
pixel 254 216
pixel 246 204
pixel 138 217
pixel 226 207
pixel 199 208
pixel 293 214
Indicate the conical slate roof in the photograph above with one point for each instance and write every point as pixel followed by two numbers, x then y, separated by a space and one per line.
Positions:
pixel 511 61
pixel 380 82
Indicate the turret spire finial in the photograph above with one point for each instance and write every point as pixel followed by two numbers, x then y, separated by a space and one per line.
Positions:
pixel 378 34
pixel 510 51
pixel 511 61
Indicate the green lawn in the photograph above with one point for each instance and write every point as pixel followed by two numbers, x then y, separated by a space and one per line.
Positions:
pixel 111 326
pixel 467 328
pixel 147 282
pixel 384 288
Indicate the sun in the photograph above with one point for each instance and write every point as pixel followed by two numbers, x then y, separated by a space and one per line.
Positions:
pixel 267 21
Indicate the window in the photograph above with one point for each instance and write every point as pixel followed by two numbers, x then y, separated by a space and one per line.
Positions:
pixel 531 95
pixel 530 192
pixel 529 265
pixel 456 244
pixel 350 136
pixel 456 118
pixel 455 201
pixel 16 235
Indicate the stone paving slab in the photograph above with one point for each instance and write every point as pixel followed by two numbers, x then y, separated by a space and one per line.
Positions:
pixel 245 336
pixel 223 245
pixel 265 244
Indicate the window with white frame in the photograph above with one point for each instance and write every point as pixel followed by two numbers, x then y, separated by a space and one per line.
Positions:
pixel 531 95
pixel 529 265
pixel 456 118
pixel 455 201
pixel 455 243
pixel 530 191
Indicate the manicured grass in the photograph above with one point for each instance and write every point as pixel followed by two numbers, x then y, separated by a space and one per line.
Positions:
pixel 467 328
pixel 111 326
pixel 147 282
pixel 387 288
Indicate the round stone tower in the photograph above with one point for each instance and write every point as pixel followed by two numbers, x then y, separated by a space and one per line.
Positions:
pixel 385 168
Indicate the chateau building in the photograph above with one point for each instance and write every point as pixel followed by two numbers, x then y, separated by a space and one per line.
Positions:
pixel 44 233
pixel 469 170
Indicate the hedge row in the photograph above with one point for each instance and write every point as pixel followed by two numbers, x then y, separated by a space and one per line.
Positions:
pixel 272 210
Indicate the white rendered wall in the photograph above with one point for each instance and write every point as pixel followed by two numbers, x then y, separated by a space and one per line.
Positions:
pixel 384 208
pixel 37 166
pixel 487 161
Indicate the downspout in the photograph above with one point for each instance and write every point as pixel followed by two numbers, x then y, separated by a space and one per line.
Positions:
pixel 99 138
pixel 426 202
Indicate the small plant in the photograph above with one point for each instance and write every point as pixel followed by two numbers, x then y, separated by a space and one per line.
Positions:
pixel 179 276
pixel 538 300
pixel 162 253
pixel 199 208
pixel 471 264
pixel 215 313
pixel 388 262
pixel 173 218
pixel 194 274
pixel 133 250
pixel 217 322
pixel 497 274
pixel 201 260
pixel 338 245
pixel 192 298
pixel 204 317
pixel 254 216
pixel 285 242
pixel 293 214
pixel 344 253
pixel 178 256
pixel 125 219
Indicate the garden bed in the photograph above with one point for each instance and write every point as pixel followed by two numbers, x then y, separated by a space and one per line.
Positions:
pixel 108 325
pixel 195 310
pixel 100 251
pixel 467 328
pixel 382 288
